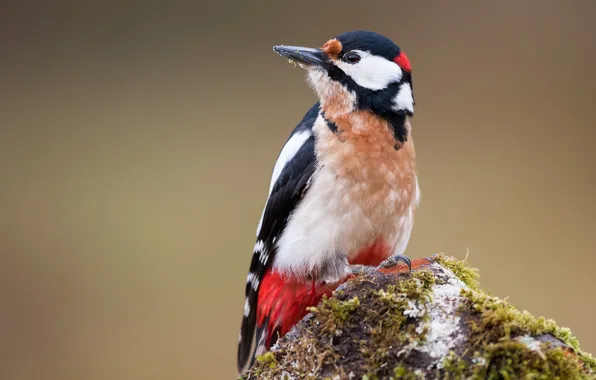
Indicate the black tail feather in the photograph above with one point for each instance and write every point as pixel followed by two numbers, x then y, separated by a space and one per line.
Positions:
pixel 246 338
pixel 249 320
pixel 262 344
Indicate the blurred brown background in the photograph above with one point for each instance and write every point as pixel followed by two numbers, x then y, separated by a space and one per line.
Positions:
pixel 137 140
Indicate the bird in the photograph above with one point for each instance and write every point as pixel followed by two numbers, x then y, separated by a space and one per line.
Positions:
pixel 344 188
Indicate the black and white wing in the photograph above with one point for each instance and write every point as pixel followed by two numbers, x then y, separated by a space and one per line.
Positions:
pixel 289 182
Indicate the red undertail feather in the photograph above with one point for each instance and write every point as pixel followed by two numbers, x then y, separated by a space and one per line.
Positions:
pixel 373 255
pixel 283 303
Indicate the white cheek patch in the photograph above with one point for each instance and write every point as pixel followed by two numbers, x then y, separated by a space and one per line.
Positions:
pixel 372 72
pixel 404 100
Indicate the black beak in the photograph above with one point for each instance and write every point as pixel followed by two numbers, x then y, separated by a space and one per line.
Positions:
pixel 302 55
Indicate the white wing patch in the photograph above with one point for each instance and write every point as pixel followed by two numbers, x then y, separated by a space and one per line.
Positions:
pixel 261 221
pixel 246 308
pixel 286 155
pixel 262 251
pixel 253 280
pixel 404 100
pixel 259 245
pixel 372 72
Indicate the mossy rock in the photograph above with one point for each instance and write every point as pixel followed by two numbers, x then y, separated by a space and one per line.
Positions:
pixel 433 323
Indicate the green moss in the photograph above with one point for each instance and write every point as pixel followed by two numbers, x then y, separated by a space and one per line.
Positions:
pixel 390 317
pixel 365 327
pixel 461 269
pixel 514 360
pixel 498 320
pixel 495 326
pixel 368 327
pixel 419 286
pixel 334 313
pixel 403 373
pixel 495 352
pixel 267 359
pixel 454 367
pixel 393 325
pixel 414 292
pixel 265 362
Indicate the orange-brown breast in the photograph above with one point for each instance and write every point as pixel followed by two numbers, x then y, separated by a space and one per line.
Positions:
pixel 363 192
pixel 379 181
pixel 364 150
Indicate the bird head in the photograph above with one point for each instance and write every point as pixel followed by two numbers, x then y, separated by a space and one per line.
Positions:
pixel 358 70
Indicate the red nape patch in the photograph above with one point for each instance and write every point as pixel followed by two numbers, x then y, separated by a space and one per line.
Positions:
pixel 373 255
pixel 285 302
pixel 402 60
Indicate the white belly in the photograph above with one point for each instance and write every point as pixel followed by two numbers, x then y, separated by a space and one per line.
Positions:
pixel 335 220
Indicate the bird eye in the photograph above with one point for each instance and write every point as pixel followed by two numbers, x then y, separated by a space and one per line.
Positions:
pixel 351 57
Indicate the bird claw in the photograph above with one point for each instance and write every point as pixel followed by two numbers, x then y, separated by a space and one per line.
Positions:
pixel 395 259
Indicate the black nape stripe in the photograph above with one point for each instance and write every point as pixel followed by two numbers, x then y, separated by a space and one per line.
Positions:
pixel 398 124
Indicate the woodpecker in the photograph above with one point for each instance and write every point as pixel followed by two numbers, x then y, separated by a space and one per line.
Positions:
pixel 344 188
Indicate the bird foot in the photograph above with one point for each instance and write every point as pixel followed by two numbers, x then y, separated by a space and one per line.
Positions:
pixel 394 260
pixel 359 269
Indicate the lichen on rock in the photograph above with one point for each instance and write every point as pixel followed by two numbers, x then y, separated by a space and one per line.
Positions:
pixel 432 323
